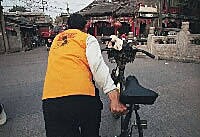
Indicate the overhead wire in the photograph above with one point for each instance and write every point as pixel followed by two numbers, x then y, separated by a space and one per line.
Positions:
pixel 52 6
pixel 33 3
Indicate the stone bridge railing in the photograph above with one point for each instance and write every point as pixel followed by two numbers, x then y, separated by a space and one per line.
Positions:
pixel 165 39
pixel 183 46
pixel 194 39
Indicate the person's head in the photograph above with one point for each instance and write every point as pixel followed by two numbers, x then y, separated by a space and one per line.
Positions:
pixel 76 21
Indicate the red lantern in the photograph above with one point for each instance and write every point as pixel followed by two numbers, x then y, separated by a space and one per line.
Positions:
pixel 117 24
pixel 138 21
pixel 130 20
pixel 143 21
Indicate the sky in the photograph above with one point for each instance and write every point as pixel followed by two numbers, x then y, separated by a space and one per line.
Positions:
pixel 52 7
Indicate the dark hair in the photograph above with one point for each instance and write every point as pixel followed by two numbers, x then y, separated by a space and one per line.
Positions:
pixel 76 21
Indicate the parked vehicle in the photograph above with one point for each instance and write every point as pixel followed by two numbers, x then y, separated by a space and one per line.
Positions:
pixel 132 94
pixel 45 33
pixel 51 35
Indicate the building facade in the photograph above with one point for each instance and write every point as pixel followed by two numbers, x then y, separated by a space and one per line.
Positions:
pixel 2 49
pixel 3 37
pixel 174 12
pixel 137 16
pixel 22 27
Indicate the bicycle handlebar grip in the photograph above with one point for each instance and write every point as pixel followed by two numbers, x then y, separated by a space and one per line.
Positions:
pixel 148 54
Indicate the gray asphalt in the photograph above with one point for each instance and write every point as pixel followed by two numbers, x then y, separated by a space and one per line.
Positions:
pixel 176 112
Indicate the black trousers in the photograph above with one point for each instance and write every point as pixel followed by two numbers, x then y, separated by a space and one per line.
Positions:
pixel 72 116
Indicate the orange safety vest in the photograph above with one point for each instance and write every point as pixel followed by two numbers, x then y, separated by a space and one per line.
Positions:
pixel 68 71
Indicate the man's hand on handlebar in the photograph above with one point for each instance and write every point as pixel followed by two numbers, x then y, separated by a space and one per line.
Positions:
pixel 115 105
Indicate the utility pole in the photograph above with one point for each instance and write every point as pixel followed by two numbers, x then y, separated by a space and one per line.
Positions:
pixel 43 3
pixel 5 38
pixel 160 13
pixel 67 8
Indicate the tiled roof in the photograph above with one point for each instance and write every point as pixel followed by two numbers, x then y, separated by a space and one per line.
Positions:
pixel 104 9
pixel 99 8
pixel 126 11
pixel 17 13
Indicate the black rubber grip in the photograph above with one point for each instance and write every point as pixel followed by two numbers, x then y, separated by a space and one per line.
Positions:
pixel 106 39
pixel 148 54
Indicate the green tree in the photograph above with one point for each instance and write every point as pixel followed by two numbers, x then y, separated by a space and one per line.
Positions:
pixel 17 8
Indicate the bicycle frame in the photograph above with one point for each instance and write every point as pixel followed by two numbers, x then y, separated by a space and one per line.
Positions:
pixel 126 126
pixel 127 55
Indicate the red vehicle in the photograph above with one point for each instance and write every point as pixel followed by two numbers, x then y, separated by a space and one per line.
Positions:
pixel 48 34
pixel 45 33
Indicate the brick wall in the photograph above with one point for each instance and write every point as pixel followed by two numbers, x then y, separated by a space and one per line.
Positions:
pixel 15 41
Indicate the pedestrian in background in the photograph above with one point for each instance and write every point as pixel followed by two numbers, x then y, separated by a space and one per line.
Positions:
pixel 3 116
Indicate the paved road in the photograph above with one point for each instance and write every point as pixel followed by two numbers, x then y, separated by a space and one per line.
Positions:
pixel 176 113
